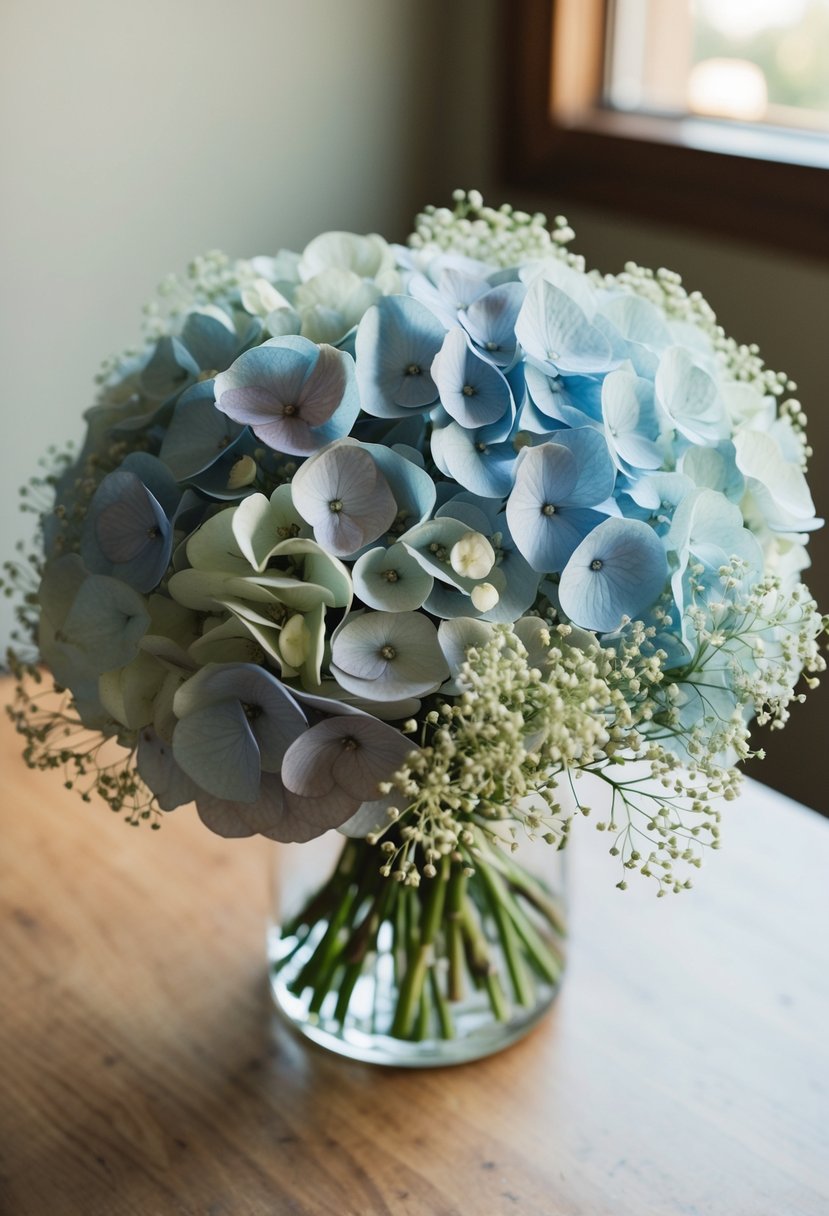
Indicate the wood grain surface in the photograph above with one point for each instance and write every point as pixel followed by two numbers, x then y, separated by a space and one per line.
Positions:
pixel 684 1068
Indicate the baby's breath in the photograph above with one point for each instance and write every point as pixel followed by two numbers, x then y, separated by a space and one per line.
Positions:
pixel 501 236
pixel 89 762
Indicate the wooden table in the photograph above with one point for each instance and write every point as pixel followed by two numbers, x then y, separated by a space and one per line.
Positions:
pixel 684 1068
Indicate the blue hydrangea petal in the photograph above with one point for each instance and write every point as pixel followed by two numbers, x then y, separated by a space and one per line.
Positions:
pixel 490 321
pixel 630 422
pixel 276 813
pixel 596 474
pixel 351 754
pixel 219 480
pixel 520 586
pixel 344 496
pixel 689 398
pixel 654 498
pixel 275 717
pixel 126 533
pixel 412 487
pixel 391 580
pixel 158 769
pixel 198 433
pixel 379 655
pixel 552 397
pixel 210 339
pixel 105 623
pixel 468 511
pixel 472 391
pixel 556 334
pixel 715 469
pixel 397 340
pixel 619 569
pixel 170 369
pixel 157 478
pixel 295 395
pixel 483 468
pixel 453 289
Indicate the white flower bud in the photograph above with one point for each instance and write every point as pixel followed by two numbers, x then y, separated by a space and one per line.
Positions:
pixel 484 597
pixel 295 641
pixel 472 556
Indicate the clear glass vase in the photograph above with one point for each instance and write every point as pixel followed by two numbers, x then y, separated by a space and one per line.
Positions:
pixel 450 970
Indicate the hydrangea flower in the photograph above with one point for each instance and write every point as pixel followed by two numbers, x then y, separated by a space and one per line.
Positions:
pixel 558 485
pixel 397 341
pixel 295 396
pixel 617 571
pixel 235 721
pixel 342 761
pixel 129 531
pixel 345 498
pixel 380 655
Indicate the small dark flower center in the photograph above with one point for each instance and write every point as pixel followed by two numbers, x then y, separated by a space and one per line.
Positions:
pixel 336 505
pixel 391 576
pixel 288 411
pixel 596 563
pixel 252 712
pixel 468 390
pixel 388 652
pixel 413 370
pixel 350 744
pixel 548 509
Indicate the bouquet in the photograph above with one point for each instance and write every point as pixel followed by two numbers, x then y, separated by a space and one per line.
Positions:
pixel 401 541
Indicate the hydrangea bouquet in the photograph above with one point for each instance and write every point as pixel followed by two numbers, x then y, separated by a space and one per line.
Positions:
pixel 400 541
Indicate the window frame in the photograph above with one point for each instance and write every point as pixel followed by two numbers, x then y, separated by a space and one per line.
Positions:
pixel 718 178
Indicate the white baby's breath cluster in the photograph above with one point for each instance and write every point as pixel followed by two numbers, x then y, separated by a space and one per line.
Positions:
pixel 502 236
pixel 662 742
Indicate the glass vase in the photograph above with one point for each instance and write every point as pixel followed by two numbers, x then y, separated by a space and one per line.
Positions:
pixel 416 974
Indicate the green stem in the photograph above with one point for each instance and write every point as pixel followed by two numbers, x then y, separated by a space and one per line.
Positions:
pixel 361 942
pixel 420 954
pixel 539 952
pixel 509 939
pixel 455 897
pixel 328 895
pixel 533 891
pixel 480 964
pixel 447 1029
pixel 421 1026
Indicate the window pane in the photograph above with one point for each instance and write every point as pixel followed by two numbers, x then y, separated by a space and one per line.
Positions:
pixel 764 61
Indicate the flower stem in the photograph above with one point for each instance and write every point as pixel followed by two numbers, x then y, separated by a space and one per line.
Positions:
pixel 455 897
pixel 420 954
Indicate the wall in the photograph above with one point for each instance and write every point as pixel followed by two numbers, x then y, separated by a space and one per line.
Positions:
pixel 133 136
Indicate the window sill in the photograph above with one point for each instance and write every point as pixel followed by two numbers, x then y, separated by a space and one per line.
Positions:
pixel 754 184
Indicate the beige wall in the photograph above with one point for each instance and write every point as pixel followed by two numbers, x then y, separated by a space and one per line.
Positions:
pixel 135 135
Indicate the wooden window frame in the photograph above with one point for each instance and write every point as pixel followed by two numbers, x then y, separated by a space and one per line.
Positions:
pixel 751 184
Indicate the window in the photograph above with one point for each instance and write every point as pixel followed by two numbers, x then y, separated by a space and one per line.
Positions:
pixel 712 114
pixel 757 61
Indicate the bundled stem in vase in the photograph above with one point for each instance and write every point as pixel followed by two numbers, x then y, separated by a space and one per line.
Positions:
pixel 482 933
